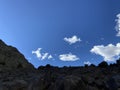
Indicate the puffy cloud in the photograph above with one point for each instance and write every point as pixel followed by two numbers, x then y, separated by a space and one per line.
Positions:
pixel 109 52
pixel 41 56
pixel 118 25
pixel 72 40
pixel 38 53
pixel 68 57
pixel 88 63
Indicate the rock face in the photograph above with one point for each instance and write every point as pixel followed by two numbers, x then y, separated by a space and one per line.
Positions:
pixel 10 57
pixel 16 73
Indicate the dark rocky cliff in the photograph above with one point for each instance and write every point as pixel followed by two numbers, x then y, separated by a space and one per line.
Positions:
pixel 10 57
pixel 16 73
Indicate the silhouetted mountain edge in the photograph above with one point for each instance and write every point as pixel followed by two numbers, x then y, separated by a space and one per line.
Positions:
pixel 16 73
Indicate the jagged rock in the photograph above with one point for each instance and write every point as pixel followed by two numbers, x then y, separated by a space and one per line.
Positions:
pixel 92 88
pixel 16 73
pixel 111 84
pixel 15 85
pixel 118 62
pixel 103 64
pixel 69 83
pixel 10 57
pixel 114 82
pixel 117 80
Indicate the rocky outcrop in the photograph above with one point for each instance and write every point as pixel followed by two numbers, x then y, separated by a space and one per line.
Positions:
pixel 10 58
pixel 69 82
pixel 16 73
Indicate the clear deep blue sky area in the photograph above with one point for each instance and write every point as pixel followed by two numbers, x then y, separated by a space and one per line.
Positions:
pixel 62 32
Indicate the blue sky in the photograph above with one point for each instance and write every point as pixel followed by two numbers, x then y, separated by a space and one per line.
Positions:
pixel 50 26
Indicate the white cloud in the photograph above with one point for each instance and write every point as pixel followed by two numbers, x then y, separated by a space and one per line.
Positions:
pixel 109 52
pixel 41 56
pixel 38 53
pixel 68 57
pixel 88 63
pixel 72 40
pixel 45 55
pixel 118 25
pixel 50 57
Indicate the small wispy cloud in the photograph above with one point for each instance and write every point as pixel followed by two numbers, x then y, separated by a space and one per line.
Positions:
pixel 68 57
pixel 50 57
pixel 118 25
pixel 109 53
pixel 87 63
pixel 41 56
pixel 44 56
pixel 72 40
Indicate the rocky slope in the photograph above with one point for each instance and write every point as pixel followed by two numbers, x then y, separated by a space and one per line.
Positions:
pixel 16 73
pixel 10 57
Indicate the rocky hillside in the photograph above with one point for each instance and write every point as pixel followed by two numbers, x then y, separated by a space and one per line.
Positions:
pixel 11 58
pixel 16 73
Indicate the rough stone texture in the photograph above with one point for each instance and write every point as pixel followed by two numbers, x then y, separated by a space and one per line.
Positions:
pixel 70 83
pixel 10 57
pixel 16 73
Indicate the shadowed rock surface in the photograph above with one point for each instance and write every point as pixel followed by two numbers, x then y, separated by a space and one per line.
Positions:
pixel 10 57
pixel 16 73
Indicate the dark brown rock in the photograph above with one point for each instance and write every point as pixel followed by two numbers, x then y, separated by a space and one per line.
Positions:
pixel 69 83
pixel 10 57
pixel 16 73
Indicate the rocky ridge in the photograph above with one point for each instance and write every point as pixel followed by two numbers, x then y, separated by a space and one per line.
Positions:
pixel 16 73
